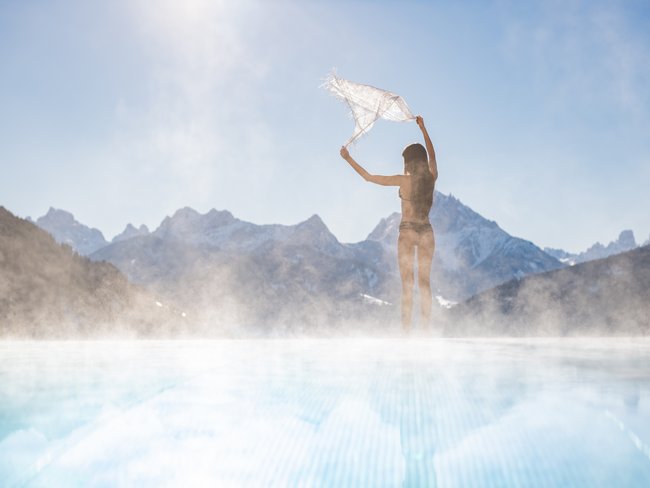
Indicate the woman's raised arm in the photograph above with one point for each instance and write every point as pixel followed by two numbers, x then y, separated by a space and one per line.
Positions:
pixel 433 165
pixel 395 180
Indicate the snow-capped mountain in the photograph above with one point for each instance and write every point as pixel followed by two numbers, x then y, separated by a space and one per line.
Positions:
pixel 625 242
pixel 131 231
pixel 221 230
pixel 261 273
pixel 66 230
pixel 215 258
pixel 182 242
pixel 472 253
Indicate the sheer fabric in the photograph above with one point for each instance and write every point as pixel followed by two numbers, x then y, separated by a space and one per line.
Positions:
pixel 367 104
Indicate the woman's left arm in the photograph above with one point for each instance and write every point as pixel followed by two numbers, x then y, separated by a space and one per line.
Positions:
pixel 433 164
pixel 395 180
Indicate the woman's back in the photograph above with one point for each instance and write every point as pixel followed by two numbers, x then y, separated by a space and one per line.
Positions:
pixel 416 194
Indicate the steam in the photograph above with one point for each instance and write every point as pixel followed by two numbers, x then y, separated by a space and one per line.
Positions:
pixel 280 281
pixel 603 297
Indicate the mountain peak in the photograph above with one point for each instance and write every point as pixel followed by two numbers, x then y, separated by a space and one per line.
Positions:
pixel 626 239
pixel 131 231
pixel 185 213
pixel 219 216
pixel 448 215
pixel 313 221
pixel 314 224
pixel 315 232
pixel 191 226
pixel 386 227
pixel 67 230
pixel 57 215
pixel 214 211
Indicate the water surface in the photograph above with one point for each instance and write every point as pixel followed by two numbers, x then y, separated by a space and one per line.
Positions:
pixel 326 412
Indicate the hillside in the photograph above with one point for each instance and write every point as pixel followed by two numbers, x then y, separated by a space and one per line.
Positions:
pixel 601 297
pixel 48 290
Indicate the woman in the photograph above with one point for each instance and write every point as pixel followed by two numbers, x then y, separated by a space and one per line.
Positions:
pixel 416 187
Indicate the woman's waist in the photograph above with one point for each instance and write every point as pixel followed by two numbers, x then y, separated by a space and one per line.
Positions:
pixel 411 214
pixel 417 225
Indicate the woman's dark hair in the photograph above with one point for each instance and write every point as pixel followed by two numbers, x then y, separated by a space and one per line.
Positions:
pixel 414 152
pixel 417 165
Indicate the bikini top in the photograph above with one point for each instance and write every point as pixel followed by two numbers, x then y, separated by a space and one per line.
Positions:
pixel 399 192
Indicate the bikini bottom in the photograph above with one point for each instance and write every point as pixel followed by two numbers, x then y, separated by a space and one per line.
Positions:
pixel 419 227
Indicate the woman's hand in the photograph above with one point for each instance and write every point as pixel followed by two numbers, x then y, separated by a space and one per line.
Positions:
pixel 420 121
pixel 345 154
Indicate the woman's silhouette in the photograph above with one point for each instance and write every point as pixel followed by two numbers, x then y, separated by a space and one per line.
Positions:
pixel 416 187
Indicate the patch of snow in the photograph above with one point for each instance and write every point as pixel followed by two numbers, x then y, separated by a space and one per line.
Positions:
pixel 374 301
pixel 444 303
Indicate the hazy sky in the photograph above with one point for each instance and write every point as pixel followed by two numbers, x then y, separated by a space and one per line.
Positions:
pixel 124 111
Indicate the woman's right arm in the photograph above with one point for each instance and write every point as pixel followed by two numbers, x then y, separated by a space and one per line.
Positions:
pixel 377 179
pixel 433 165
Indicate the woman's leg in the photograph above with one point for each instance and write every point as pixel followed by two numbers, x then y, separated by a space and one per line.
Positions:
pixel 405 256
pixel 426 246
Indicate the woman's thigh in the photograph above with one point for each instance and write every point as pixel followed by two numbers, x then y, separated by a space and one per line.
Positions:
pixel 426 247
pixel 406 252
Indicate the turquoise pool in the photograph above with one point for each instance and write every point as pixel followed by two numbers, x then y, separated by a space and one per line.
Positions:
pixel 326 412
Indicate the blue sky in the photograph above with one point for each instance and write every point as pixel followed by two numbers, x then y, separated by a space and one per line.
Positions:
pixel 125 111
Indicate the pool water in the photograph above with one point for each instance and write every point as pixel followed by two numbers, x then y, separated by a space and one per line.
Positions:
pixel 326 412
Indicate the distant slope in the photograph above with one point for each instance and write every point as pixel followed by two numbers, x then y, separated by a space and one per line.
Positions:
pixel 606 296
pixel 625 242
pixel 47 290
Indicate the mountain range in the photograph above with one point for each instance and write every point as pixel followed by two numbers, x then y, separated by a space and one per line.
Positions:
pixel 472 252
pixel 220 270
pixel 229 270
pixel 625 242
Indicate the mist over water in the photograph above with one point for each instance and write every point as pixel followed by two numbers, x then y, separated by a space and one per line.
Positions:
pixel 335 412
pixel 212 275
